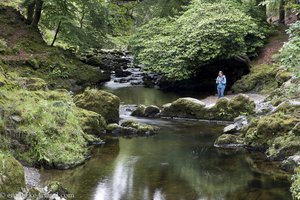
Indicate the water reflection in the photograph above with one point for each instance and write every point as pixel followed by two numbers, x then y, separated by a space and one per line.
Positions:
pixel 121 183
pixel 182 164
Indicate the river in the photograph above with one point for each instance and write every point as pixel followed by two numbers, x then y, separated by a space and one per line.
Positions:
pixel 180 163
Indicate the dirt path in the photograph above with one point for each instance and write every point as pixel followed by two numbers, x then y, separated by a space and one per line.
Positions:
pixel 274 44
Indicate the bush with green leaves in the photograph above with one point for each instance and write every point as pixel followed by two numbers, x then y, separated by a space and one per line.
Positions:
pixel 290 53
pixel 206 32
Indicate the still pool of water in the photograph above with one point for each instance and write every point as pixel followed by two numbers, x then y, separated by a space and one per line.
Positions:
pixel 180 163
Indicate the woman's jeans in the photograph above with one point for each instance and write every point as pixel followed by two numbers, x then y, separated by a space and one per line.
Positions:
pixel 221 90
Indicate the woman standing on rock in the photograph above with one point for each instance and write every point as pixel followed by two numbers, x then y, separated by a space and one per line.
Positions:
pixel 221 84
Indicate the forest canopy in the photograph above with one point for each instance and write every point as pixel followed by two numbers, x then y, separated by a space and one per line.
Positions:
pixel 205 32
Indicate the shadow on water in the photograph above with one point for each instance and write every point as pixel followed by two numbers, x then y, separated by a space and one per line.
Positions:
pixel 180 163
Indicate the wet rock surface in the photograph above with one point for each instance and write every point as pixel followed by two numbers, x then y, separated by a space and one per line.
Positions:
pixel 130 128
pixel 224 109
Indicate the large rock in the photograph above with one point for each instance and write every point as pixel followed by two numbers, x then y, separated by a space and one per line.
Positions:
pixel 228 141
pixel 152 111
pixel 185 108
pixel 142 129
pixel 224 109
pixel 139 111
pixel 239 123
pixel 101 102
pixel 131 128
pixel 261 133
pixel 290 163
pixel 91 122
pixel 12 178
pixel 117 131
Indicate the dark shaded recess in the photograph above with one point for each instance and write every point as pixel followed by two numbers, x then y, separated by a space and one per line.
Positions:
pixel 205 79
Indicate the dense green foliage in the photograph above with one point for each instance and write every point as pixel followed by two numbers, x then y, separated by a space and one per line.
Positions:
pixel 290 53
pixel 204 33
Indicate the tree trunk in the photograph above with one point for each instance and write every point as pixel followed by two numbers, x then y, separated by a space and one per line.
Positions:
pixel 37 13
pixel 281 12
pixel 56 33
pixel 30 12
pixel 82 16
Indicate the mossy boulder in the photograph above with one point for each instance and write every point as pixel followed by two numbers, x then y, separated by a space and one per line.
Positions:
pixel 228 141
pixel 139 111
pixel 101 102
pixel 185 108
pixel 152 111
pixel 43 126
pixel 119 131
pixel 131 128
pixel 224 109
pixel 56 187
pixel 260 133
pixel 295 188
pixel 284 146
pixel 142 129
pixel 283 76
pixel 291 163
pixel 95 61
pixel 260 79
pixel 91 122
pixel 12 178
pixel 288 90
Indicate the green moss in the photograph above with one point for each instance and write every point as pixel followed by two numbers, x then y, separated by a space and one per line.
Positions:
pixel 12 178
pixel 228 140
pixel 91 122
pixel 284 146
pixel 139 111
pixel 32 84
pixel 295 188
pixel 224 109
pixel 142 129
pixel 260 79
pixel 260 134
pixel 185 108
pixel 283 76
pixel 288 90
pixel 101 102
pixel 45 126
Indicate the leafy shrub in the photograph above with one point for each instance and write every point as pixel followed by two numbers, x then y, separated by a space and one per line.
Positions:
pixel 178 47
pixel 290 53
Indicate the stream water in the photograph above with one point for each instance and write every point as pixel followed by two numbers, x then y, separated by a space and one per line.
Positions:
pixel 180 163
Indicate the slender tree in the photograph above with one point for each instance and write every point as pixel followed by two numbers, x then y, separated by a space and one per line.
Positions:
pixel 37 13
pixel 30 11
pixel 56 33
